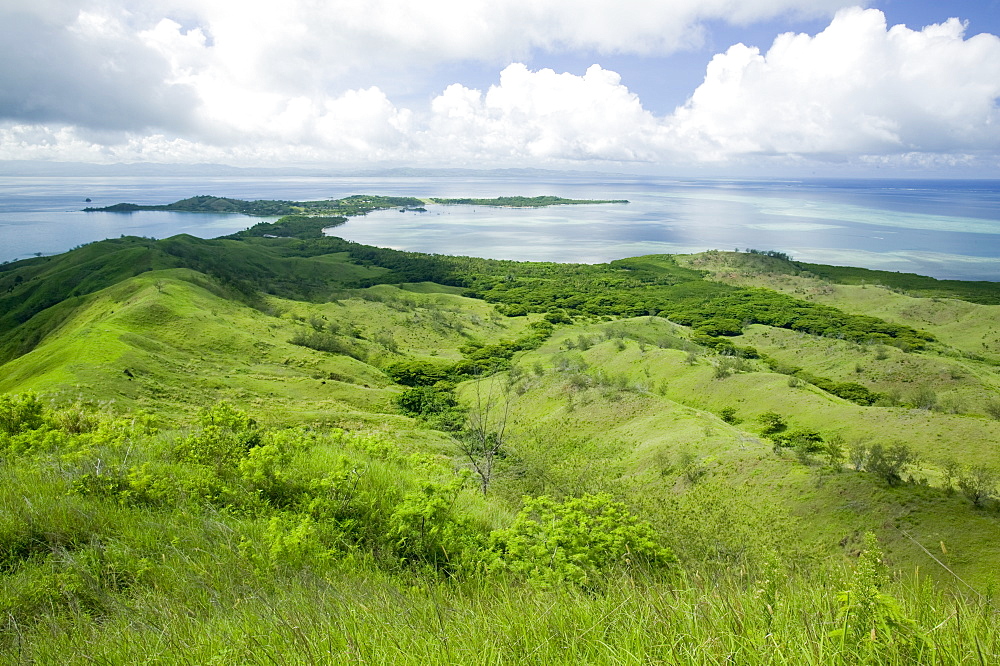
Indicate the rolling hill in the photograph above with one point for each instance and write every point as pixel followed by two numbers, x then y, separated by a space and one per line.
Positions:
pixel 691 459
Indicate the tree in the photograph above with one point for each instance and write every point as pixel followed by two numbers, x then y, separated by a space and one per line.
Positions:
pixel 890 463
pixel 772 423
pixel 414 372
pixel 978 483
pixel 483 438
pixel 834 450
pixel 858 454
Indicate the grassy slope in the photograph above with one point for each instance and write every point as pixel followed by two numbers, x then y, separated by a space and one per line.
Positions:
pixel 962 326
pixel 631 408
pixel 666 411
pixel 184 345
pixel 638 408
pixel 961 370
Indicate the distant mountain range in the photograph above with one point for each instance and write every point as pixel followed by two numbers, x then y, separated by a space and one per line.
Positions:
pixel 80 169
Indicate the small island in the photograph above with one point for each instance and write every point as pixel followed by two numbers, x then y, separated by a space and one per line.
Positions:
pixel 308 219
pixel 357 204
pixel 526 202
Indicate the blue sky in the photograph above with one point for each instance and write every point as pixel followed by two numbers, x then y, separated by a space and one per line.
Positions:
pixel 665 83
pixel 680 86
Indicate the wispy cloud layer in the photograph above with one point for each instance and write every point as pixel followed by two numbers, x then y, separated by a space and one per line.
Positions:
pixel 302 82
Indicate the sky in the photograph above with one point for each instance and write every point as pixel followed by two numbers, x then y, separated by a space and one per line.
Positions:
pixel 698 87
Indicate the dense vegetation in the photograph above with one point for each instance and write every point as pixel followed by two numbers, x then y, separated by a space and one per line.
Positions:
pixel 975 292
pixel 128 539
pixel 358 204
pixel 282 447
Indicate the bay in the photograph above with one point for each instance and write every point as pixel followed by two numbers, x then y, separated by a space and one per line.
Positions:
pixel 942 228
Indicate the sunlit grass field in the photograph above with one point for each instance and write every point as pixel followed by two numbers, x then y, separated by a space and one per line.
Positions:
pixel 196 471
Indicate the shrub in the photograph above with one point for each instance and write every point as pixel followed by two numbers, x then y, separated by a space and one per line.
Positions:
pixel 858 454
pixel 418 373
pixel 890 463
pixel 558 317
pixel 720 326
pixel 872 622
pixel 425 529
pixel 978 483
pixel 924 398
pixel 992 409
pixel 834 450
pixel 19 413
pixel 577 540
pixel 226 435
pixel 325 341
pixel 807 441
pixel 773 423
pixel 427 400
pixel 855 392
pixel 728 414
pixel 729 365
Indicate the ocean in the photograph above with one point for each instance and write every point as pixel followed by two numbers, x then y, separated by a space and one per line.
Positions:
pixel 941 228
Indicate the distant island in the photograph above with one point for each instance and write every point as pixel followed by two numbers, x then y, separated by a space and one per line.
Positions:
pixel 526 202
pixel 308 219
pixel 358 204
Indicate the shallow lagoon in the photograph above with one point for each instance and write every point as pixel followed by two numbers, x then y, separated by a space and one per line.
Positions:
pixel 944 229
pixel 941 228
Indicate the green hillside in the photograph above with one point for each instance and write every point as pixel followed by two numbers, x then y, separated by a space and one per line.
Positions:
pixel 281 447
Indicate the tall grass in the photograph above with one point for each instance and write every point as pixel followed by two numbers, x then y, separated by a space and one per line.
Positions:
pixel 365 615
pixel 339 548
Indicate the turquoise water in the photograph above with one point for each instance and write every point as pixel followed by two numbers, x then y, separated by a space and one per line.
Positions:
pixel 947 229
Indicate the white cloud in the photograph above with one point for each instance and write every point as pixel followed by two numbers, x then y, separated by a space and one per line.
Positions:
pixel 858 87
pixel 545 115
pixel 350 33
pixel 151 64
pixel 84 68
pixel 259 82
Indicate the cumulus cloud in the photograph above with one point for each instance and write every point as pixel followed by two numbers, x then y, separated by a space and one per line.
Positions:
pixel 545 115
pixel 351 33
pixel 857 87
pixel 263 82
pixel 87 69
pixel 174 64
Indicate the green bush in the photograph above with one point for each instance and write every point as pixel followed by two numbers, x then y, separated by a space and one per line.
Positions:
pixel 437 404
pixel 978 483
pixel 424 527
pixel 720 326
pixel 328 342
pixel 872 623
pixel 728 414
pixel 578 540
pixel 558 317
pixel 772 423
pixel 226 435
pixel 414 372
pixel 890 462
pixel 19 413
